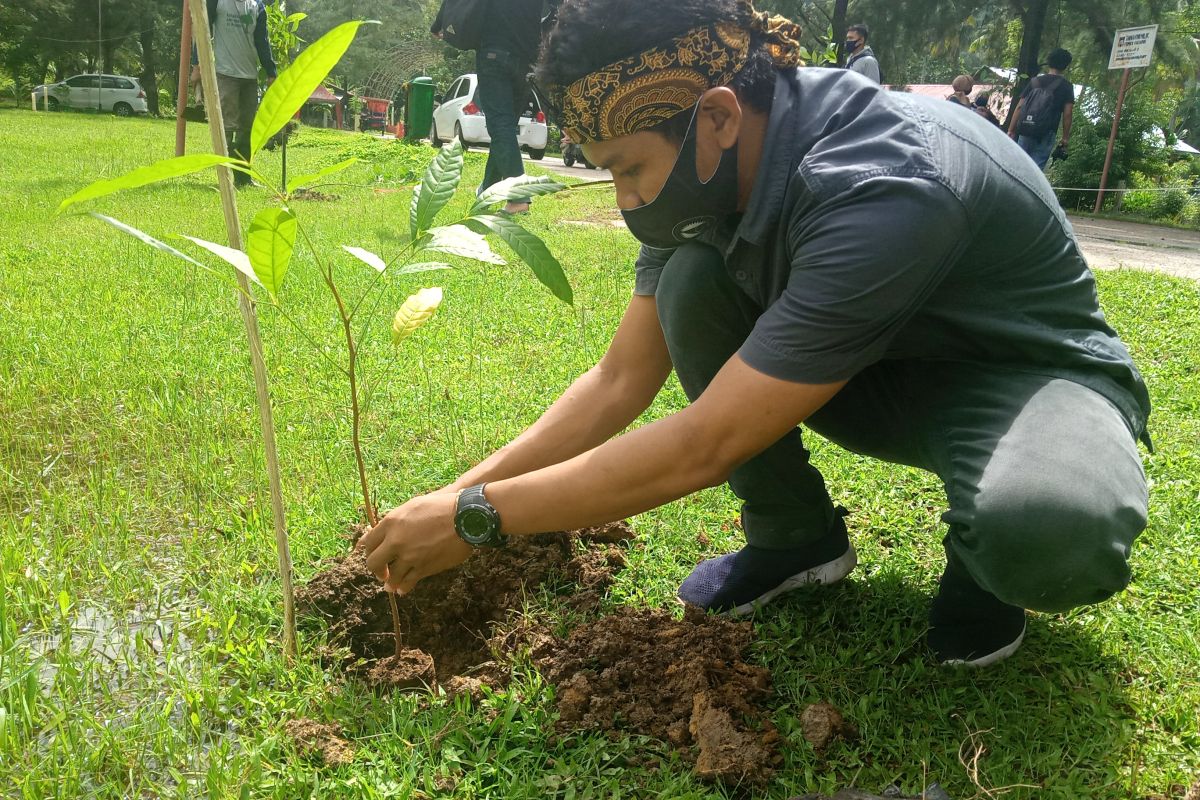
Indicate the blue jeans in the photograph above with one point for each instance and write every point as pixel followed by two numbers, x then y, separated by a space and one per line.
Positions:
pixel 502 94
pixel 1038 147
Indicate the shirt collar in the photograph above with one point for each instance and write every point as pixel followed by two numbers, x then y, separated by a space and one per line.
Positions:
pixel 775 166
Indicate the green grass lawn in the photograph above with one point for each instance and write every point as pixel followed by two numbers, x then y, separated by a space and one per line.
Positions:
pixel 134 514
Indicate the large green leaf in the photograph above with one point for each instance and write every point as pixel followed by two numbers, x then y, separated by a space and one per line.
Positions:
pixel 437 187
pixel 531 250
pixel 459 240
pixel 269 244
pixel 302 180
pixel 519 188
pixel 158 171
pixel 367 257
pixel 416 311
pixel 296 84
pixel 236 258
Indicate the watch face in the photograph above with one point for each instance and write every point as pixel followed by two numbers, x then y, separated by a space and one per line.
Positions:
pixel 475 524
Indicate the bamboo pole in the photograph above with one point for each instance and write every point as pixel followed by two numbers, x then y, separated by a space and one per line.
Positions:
pixel 208 79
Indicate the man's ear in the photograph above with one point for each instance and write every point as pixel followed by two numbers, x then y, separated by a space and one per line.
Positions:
pixel 720 115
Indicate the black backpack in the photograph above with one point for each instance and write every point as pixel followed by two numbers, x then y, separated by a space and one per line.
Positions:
pixel 1039 115
pixel 462 22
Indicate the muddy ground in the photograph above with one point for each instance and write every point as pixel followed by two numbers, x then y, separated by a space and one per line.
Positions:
pixel 631 672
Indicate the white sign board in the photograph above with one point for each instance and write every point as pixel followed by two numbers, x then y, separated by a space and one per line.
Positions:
pixel 1132 47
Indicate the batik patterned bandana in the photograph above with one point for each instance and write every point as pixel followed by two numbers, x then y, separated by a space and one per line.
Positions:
pixel 641 91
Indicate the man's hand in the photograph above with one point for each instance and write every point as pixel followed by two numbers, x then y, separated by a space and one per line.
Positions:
pixel 415 541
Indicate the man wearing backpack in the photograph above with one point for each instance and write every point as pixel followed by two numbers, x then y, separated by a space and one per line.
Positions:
pixel 508 45
pixel 1046 99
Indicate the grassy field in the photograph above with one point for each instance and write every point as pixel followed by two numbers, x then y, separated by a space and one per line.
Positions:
pixel 139 617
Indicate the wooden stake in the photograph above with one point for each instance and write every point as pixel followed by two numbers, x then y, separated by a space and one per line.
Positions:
pixel 208 79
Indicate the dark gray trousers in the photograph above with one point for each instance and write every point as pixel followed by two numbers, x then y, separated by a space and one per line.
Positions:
pixel 1043 477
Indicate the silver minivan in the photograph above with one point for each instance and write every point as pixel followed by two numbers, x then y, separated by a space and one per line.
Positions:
pixel 120 94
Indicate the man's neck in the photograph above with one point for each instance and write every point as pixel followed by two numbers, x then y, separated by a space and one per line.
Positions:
pixel 751 139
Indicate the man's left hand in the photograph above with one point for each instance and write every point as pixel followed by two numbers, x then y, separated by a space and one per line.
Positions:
pixel 415 541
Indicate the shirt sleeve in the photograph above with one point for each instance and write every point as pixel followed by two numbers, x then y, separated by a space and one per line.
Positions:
pixel 262 43
pixel 863 263
pixel 648 268
pixel 867 66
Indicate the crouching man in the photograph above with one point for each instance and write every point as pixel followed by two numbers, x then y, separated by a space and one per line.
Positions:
pixel 818 250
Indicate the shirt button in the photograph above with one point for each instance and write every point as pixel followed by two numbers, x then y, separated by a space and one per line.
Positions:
pixel 740 275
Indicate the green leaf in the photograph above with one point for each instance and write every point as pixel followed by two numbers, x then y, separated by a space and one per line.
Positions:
pixel 437 187
pixel 367 257
pixel 296 183
pixel 459 240
pixel 236 258
pixel 531 250
pixel 158 171
pixel 424 266
pixel 64 602
pixel 269 244
pixel 297 83
pixel 521 187
pixel 147 238
pixel 416 311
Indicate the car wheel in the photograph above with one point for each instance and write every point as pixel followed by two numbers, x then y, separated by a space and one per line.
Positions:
pixel 458 132
pixel 123 110
pixel 537 155
pixel 52 103
pixel 433 136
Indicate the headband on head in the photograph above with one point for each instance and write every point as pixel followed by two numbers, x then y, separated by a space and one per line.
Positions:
pixel 641 91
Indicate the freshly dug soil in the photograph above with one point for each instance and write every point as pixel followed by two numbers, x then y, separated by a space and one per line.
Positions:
pixel 313 738
pixel 457 618
pixel 682 681
pixel 823 723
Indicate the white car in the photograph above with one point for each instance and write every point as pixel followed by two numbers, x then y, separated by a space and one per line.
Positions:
pixel 458 114
pixel 120 94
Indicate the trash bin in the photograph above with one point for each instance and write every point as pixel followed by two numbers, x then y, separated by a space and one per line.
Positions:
pixel 418 111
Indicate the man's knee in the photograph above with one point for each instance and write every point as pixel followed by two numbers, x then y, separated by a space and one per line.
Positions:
pixel 691 287
pixel 1052 555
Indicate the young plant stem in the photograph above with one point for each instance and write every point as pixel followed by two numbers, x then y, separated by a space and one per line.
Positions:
pixel 233 228
pixel 356 425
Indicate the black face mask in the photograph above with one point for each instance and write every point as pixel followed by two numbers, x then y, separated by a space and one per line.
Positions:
pixel 686 207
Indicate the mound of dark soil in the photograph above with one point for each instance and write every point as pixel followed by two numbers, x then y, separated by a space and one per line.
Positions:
pixel 682 681
pixel 457 618
pixel 319 740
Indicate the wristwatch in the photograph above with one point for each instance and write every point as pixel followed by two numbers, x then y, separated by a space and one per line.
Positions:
pixel 476 521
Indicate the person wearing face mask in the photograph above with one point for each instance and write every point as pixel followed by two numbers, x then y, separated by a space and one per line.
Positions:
pixel 860 57
pixel 817 250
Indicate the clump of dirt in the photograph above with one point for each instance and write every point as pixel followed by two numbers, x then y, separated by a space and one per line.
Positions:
pixel 823 723
pixel 319 739
pixel 681 681
pixel 457 618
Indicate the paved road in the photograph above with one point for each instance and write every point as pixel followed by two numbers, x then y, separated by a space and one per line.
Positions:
pixel 1107 244
pixel 1112 244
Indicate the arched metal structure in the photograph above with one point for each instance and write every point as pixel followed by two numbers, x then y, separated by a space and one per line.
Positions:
pixel 402 63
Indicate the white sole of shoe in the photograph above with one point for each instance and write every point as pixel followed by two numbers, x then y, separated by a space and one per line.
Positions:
pixel 829 572
pixel 990 658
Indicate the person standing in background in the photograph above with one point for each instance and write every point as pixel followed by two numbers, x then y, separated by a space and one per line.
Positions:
pixel 240 44
pixel 860 57
pixel 1048 98
pixel 962 86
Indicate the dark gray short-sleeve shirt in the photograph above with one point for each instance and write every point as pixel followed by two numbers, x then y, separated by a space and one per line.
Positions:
pixel 887 225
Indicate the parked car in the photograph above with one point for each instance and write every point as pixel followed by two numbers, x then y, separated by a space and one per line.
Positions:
pixel 458 114
pixel 120 94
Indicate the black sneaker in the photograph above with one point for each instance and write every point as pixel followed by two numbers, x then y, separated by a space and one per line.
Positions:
pixel 968 625
pixel 738 583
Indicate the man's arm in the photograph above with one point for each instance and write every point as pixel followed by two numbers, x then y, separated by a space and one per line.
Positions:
pixel 1068 114
pixel 262 43
pixel 598 405
pixel 1016 118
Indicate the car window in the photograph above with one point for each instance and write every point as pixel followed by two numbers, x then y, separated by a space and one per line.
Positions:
pixel 110 82
pixel 82 82
pixel 450 93
pixel 464 87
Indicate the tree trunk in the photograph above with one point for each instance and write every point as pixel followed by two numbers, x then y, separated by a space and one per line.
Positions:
pixel 149 81
pixel 839 28
pixel 1033 23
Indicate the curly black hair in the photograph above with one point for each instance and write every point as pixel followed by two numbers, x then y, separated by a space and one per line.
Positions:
pixel 589 34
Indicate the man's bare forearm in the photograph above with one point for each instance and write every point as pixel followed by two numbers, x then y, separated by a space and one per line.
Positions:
pixel 589 413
